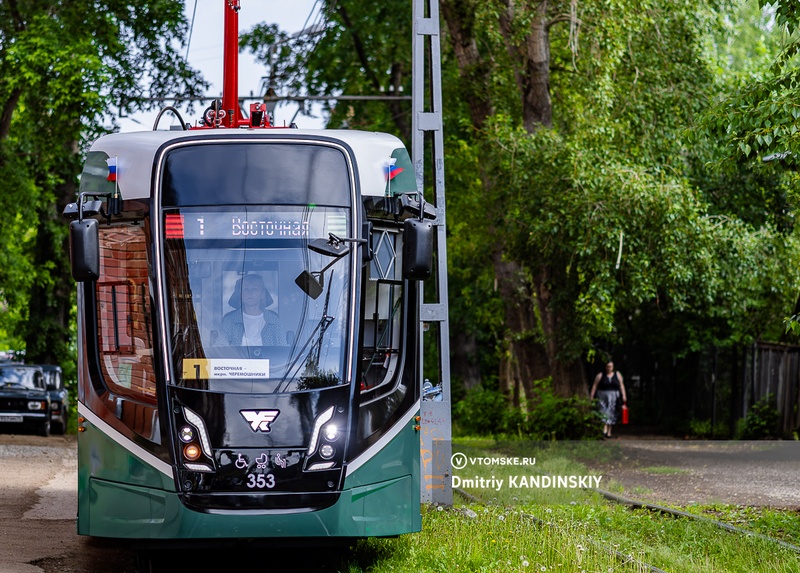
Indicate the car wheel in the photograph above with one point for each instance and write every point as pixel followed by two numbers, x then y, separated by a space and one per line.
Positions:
pixel 44 429
pixel 60 427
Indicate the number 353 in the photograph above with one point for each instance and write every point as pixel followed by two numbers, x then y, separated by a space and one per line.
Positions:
pixel 260 481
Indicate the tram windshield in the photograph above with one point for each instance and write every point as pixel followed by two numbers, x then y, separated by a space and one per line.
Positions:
pixel 240 319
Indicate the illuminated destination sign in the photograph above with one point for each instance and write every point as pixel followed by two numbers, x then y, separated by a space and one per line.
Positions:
pixel 237 226
pixel 267 228
pixel 254 224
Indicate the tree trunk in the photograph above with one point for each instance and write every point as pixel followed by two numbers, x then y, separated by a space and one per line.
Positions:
pixel 523 359
pixel 8 112
pixel 569 378
pixel 48 332
pixel 465 365
pixel 474 70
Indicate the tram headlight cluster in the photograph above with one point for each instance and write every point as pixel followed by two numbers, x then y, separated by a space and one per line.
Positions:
pixel 196 442
pixel 320 446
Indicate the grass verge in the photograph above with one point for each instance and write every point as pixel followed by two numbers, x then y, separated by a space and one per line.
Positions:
pixel 570 529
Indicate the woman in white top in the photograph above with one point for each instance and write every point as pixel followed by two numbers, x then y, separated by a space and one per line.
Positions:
pixel 250 323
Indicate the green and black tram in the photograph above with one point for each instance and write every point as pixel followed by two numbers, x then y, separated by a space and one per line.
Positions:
pixel 249 334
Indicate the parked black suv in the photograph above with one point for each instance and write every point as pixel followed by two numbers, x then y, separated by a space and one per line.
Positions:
pixel 24 400
pixel 59 399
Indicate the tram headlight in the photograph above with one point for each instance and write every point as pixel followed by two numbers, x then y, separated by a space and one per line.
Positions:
pixel 330 432
pixel 326 451
pixel 198 423
pixel 186 434
pixel 191 451
pixel 323 419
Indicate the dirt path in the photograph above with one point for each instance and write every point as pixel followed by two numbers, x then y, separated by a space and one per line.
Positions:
pixel 38 504
pixel 705 472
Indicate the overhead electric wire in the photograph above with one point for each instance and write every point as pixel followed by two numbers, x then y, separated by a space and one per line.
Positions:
pixel 191 29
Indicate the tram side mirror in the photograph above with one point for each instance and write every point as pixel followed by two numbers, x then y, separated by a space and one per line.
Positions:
pixel 417 249
pixel 329 248
pixel 312 282
pixel 84 250
pixel 367 254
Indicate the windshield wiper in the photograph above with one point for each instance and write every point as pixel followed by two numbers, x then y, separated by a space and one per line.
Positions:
pixel 312 358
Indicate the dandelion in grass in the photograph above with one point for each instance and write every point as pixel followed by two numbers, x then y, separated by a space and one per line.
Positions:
pixel 501 517
pixel 525 563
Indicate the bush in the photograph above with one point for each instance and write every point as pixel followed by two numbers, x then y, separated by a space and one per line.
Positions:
pixel 557 418
pixel 762 421
pixel 486 412
pixel 700 428
pixel 481 413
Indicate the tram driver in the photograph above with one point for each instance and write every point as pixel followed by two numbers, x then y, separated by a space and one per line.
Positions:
pixel 250 323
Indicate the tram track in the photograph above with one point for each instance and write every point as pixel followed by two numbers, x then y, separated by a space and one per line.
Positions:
pixel 636 504
pixel 655 508
pixel 625 558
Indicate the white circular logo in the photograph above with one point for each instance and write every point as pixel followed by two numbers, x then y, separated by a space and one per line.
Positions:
pixel 458 461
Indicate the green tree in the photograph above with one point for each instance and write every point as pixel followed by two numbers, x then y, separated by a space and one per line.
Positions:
pixel 362 48
pixel 579 192
pixel 63 65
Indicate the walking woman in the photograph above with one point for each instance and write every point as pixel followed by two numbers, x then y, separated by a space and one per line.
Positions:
pixel 609 388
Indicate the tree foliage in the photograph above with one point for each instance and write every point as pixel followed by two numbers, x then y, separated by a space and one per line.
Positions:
pixel 588 196
pixel 63 67
pixel 358 48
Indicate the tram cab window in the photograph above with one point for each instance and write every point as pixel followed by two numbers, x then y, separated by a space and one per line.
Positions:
pixel 123 313
pixel 382 312
pixel 238 320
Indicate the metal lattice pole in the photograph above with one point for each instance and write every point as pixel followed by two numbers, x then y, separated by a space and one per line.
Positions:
pixel 436 431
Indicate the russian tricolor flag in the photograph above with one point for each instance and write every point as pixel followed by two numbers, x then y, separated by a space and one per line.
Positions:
pixel 112 169
pixel 393 170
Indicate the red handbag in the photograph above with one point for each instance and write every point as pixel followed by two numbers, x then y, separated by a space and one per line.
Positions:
pixel 624 414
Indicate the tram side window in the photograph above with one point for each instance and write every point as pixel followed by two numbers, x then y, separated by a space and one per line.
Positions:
pixel 382 313
pixel 123 313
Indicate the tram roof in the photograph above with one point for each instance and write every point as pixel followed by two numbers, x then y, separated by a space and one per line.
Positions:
pixel 135 153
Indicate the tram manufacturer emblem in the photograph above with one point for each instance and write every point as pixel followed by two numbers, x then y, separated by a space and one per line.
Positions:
pixel 260 419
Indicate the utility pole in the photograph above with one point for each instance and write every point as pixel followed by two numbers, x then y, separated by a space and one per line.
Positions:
pixel 427 137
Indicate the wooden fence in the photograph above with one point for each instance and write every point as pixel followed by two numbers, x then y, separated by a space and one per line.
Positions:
pixel 773 370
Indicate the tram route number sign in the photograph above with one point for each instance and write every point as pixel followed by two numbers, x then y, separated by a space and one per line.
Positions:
pixel 260 481
pixel 222 368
